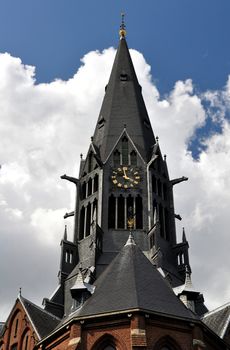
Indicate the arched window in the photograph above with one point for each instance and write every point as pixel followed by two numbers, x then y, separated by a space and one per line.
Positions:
pixel 25 341
pixel 167 343
pixel 89 187
pixel 82 223
pixel 125 150
pixel 111 212
pixel 121 213
pixel 154 184
pixel 95 211
pixel 88 220
pixel 167 226
pixel 161 218
pixel 165 194
pixel 95 183
pixel 116 158
pixel 133 158
pixel 90 162
pixel 109 347
pixel 83 190
pixel 159 189
pixel 16 328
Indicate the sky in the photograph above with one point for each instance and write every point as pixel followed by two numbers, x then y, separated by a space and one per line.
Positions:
pixel 55 60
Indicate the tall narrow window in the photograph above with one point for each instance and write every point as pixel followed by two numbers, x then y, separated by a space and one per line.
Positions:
pixel 167 226
pixel 111 212
pixel 116 158
pixel 95 183
pixel 154 185
pixel 125 151
pixel 161 217
pixel 159 189
pixel 130 214
pixel 83 190
pixel 121 212
pixel 139 212
pixel 88 220
pixel 90 187
pixel 25 342
pixel 82 223
pixel 95 211
pixel 16 328
pixel 165 191
pixel 133 158
pixel 90 162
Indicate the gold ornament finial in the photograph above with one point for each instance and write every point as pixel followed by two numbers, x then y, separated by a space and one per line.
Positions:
pixel 122 30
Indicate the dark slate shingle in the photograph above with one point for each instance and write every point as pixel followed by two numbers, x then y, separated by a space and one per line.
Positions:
pixel 43 321
pixel 132 282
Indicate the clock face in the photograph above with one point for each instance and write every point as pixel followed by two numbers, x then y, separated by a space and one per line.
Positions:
pixel 125 177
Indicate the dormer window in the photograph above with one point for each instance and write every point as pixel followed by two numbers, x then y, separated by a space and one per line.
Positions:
pixel 101 122
pixel 125 150
pixel 123 77
pixel 116 158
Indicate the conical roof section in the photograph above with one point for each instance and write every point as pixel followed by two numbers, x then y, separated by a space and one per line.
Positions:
pixel 123 105
pixel 131 282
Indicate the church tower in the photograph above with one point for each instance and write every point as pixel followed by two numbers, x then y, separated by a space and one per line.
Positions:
pixel 123 186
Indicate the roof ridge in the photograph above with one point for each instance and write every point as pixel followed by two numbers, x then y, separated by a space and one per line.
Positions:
pixel 219 308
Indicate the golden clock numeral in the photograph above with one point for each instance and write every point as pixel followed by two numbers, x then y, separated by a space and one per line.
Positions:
pixel 136 182
pixel 137 177
pixel 136 173
pixel 131 169
pixel 113 177
pixel 115 182
pixel 131 185
pixel 125 186
pixel 114 172
pixel 119 169
pixel 119 185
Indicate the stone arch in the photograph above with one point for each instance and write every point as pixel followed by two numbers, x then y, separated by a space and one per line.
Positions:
pixel 108 340
pixel 14 324
pixel 25 339
pixel 166 343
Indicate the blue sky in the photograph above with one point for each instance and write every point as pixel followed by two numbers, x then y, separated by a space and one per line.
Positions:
pixel 41 124
pixel 179 38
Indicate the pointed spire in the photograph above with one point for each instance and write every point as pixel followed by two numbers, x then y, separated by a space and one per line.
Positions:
pixel 122 31
pixel 65 234
pixel 188 281
pixel 123 104
pixel 130 240
pixel 184 239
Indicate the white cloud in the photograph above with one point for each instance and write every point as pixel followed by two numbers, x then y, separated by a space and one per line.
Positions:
pixel 43 130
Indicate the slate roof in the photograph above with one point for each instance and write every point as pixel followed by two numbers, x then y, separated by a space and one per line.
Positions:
pixel 132 282
pixel 43 321
pixel 2 324
pixel 218 319
pixel 123 104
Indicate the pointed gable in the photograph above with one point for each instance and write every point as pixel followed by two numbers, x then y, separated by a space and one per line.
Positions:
pixel 43 322
pixel 123 104
pixel 131 282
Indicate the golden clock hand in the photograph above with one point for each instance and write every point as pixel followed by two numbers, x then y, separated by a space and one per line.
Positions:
pixel 124 171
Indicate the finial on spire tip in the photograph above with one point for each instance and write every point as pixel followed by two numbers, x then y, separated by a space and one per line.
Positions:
pixel 122 31
pixel 130 240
